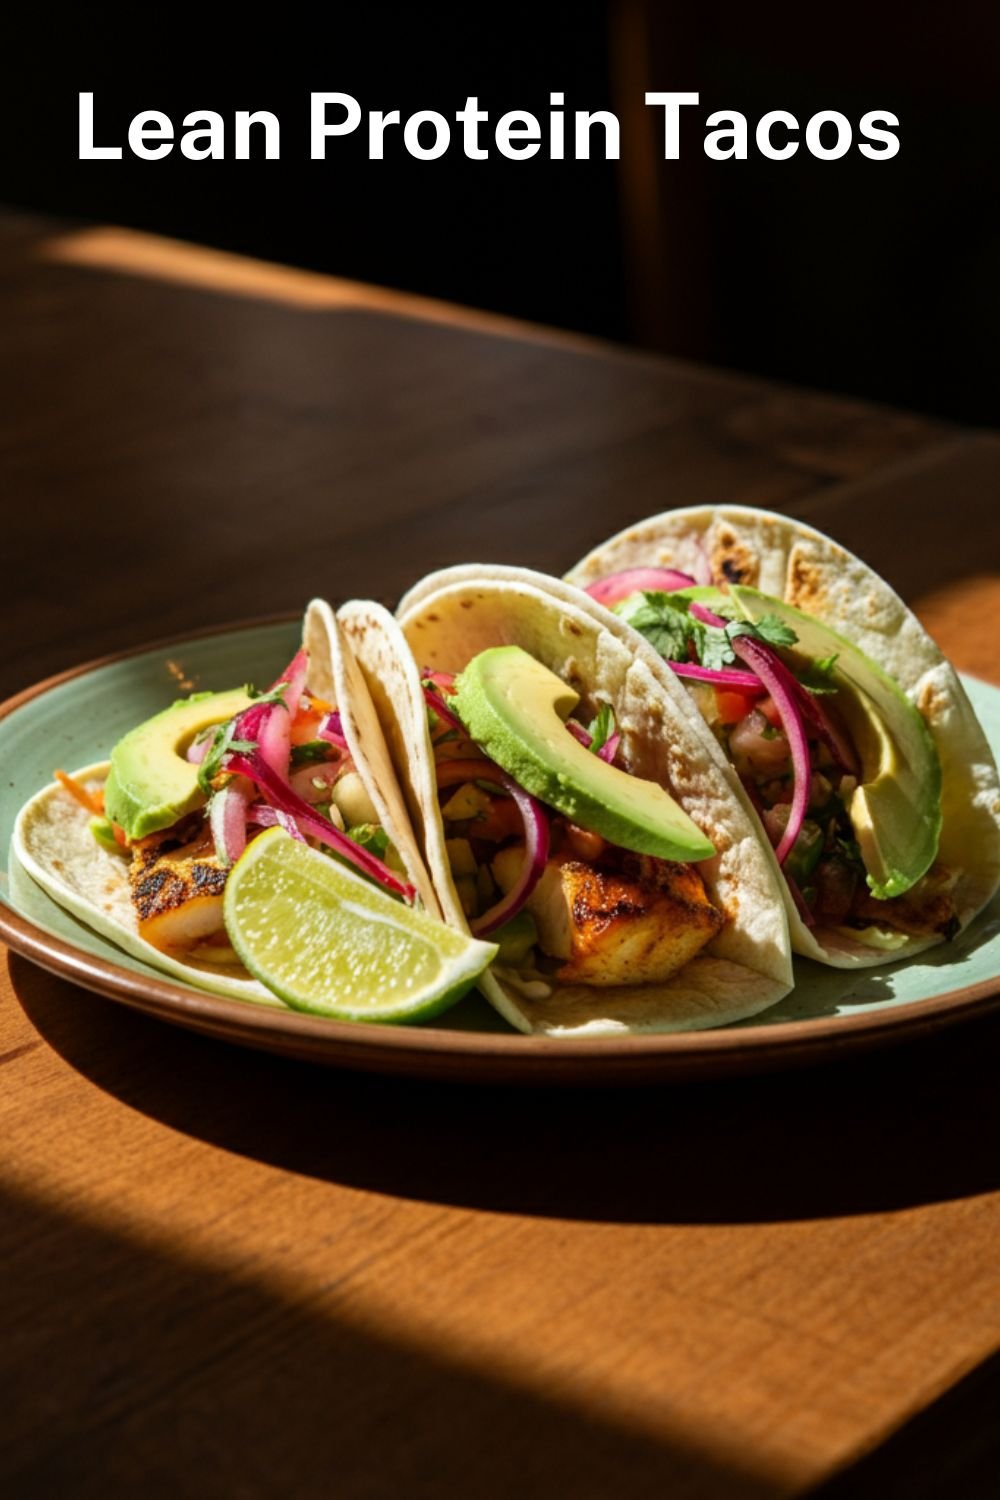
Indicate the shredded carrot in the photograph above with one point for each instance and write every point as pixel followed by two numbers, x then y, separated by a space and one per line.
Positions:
pixel 86 799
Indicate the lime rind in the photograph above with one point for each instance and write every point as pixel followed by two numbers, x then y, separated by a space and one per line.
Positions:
pixel 328 942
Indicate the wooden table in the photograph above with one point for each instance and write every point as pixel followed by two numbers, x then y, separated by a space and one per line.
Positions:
pixel 228 1275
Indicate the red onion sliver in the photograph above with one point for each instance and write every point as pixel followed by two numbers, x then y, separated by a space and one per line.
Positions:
pixel 444 714
pixel 227 820
pixel 782 687
pixel 706 616
pixel 268 817
pixel 536 838
pixel 617 586
pixel 443 680
pixel 197 750
pixel 723 677
pixel 283 799
pixel 294 676
pixel 331 730
pixel 609 749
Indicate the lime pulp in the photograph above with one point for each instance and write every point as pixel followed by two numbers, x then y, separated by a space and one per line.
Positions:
pixel 327 941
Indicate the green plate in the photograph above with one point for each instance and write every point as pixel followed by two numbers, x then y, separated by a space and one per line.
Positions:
pixel 74 719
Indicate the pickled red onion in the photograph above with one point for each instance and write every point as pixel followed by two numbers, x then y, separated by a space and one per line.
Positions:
pixel 227 820
pixel 615 587
pixel 608 750
pixel 706 616
pixel 444 714
pixel 781 685
pixel 331 729
pixel 309 821
pixel 723 677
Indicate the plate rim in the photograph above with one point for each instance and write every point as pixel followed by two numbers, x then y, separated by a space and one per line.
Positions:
pixel 371 1045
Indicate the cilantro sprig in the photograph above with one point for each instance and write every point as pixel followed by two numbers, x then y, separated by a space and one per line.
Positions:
pixel 223 742
pixel 601 728
pixel 667 623
pixel 817 675
pixel 310 753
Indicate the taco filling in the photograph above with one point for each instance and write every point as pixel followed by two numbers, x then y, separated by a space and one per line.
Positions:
pixel 189 788
pixel 582 873
pixel 837 762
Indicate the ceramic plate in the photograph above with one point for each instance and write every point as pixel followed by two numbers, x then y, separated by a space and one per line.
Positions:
pixel 73 720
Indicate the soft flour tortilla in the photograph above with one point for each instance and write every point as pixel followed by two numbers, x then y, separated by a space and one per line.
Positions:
pixel 53 842
pixel 792 561
pixel 458 613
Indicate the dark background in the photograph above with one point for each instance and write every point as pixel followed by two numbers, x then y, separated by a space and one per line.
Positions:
pixel 874 278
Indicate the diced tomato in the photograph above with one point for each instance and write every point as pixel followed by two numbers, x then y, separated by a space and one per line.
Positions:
pixel 770 712
pixel 121 838
pixel 732 705
pixel 305 725
pixel 501 822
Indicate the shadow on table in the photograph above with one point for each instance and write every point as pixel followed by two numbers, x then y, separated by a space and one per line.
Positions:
pixel 162 1375
pixel 889 1130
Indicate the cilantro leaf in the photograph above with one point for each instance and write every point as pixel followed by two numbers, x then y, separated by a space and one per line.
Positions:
pixel 817 676
pixel 222 744
pixel 668 625
pixel 663 620
pixel 371 836
pixel 602 728
pixel 716 649
pixel 309 753
pixel 770 629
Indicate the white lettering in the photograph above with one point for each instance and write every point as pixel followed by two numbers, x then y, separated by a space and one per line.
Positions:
pixel 151 125
pixel 869 128
pixel 814 139
pixel 272 133
pixel 672 104
pixel 442 135
pixel 469 118
pixel 612 133
pixel 212 130
pixel 735 135
pixel 763 135
pixel 320 129
pixel 515 127
pixel 377 121
pixel 88 151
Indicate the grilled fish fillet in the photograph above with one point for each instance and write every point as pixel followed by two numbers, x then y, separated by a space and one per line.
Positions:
pixel 636 920
pixel 177 890
pixel 928 908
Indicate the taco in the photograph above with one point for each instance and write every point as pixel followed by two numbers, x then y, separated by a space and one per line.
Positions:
pixel 851 734
pixel 572 810
pixel 139 847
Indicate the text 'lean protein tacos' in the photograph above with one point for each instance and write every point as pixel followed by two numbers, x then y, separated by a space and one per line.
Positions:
pixel 201 848
pixel 851 735
pixel 572 811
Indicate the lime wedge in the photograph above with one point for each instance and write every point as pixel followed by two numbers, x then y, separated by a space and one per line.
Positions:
pixel 328 941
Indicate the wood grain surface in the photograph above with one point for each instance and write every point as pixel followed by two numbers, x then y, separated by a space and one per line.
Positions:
pixel 228 1275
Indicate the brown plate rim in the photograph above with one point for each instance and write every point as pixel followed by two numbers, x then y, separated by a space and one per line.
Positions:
pixel 411 1049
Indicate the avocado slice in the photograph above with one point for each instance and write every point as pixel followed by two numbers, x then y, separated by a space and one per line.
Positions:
pixel 150 785
pixel 516 710
pixel 896 809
